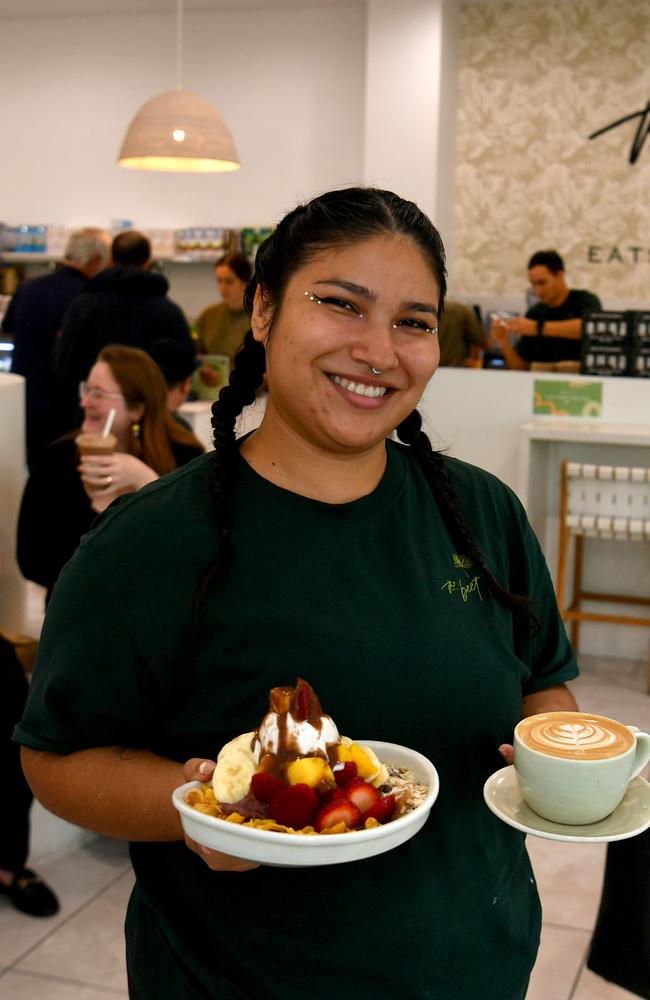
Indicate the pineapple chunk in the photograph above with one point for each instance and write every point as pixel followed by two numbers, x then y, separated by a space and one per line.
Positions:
pixel 366 768
pixel 309 771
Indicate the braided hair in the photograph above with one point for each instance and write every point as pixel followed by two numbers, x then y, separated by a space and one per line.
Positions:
pixel 335 219
pixel 434 468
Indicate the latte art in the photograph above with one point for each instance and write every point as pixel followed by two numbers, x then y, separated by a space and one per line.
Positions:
pixel 575 735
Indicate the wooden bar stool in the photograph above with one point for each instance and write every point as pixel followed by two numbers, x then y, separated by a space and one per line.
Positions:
pixel 600 501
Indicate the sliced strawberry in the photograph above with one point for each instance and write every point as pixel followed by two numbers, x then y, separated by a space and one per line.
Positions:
pixel 264 786
pixel 382 809
pixel 338 811
pixel 295 805
pixel 344 771
pixel 361 793
pixel 307 705
pixel 334 795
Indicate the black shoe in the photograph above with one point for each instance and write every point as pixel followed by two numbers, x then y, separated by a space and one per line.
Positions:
pixel 29 893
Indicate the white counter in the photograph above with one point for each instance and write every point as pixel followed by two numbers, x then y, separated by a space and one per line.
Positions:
pixel 12 481
pixel 486 417
pixel 199 414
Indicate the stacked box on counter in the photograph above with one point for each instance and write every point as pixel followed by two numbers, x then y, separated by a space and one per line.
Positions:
pixel 639 353
pixel 605 344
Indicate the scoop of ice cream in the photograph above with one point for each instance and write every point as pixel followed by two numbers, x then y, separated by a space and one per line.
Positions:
pixel 306 739
pixel 295 726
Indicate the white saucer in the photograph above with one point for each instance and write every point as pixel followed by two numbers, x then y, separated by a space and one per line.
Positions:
pixel 502 795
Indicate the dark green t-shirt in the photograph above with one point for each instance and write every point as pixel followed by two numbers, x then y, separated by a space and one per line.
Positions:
pixel 550 349
pixel 372 603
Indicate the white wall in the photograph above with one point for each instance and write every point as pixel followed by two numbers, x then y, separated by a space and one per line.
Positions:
pixel 12 481
pixel 411 103
pixel 316 97
pixel 290 82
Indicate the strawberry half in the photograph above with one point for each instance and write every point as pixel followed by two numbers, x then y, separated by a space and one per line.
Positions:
pixel 382 810
pixel 361 794
pixel 344 771
pixel 295 805
pixel 264 786
pixel 338 811
pixel 306 702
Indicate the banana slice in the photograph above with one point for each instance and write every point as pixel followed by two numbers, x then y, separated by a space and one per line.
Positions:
pixel 380 775
pixel 235 768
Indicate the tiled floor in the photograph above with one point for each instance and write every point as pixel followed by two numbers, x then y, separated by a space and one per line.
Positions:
pixel 78 955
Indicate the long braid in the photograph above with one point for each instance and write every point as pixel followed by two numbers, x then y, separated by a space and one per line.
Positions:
pixel 435 471
pixel 246 377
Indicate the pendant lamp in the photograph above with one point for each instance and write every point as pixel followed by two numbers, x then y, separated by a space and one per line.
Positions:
pixel 179 131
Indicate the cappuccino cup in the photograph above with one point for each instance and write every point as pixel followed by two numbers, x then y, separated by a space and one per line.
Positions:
pixel 575 767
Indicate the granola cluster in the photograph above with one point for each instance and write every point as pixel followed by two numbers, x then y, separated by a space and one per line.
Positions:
pixel 408 791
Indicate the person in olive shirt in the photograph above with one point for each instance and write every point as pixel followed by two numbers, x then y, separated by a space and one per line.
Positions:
pixel 407 587
pixel 551 329
pixel 461 336
pixel 221 327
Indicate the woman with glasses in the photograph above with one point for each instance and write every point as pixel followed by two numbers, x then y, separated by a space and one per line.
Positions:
pixel 64 495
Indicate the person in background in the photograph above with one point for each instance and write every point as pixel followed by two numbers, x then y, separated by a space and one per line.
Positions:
pixel 63 495
pixel 221 327
pixel 409 584
pixel 177 363
pixel 461 335
pixel 620 946
pixel 34 318
pixel 551 329
pixel 125 304
pixel 22 886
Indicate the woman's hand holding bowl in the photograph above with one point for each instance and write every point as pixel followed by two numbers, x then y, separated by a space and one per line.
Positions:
pixel 199 769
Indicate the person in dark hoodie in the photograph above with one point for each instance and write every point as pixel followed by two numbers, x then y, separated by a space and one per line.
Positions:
pixel 125 304
pixel 33 320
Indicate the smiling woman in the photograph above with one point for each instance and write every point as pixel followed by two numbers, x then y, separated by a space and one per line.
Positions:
pixel 397 581
pixel 66 491
pixel 324 397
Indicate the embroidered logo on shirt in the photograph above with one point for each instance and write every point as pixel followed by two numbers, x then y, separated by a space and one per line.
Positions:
pixel 463 583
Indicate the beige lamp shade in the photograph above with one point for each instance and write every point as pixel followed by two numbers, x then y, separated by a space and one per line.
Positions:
pixel 178 131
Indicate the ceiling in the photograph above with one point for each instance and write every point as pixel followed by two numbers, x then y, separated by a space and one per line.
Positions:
pixel 67 8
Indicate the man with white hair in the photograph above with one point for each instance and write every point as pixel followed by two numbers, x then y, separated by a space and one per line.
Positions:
pixel 33 319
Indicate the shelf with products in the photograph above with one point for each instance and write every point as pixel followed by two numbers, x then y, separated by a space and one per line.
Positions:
pixel 186 255
pixel 43 244
pixel 46 258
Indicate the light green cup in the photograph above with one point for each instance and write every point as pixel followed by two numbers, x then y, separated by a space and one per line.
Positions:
pixel 574 767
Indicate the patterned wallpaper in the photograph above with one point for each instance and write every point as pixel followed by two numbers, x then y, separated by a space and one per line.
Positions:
pixel 536 78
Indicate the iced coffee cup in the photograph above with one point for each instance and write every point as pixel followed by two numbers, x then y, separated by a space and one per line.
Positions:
pixel 95 443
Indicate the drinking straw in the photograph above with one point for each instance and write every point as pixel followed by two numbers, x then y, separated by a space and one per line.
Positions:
pixel 109 423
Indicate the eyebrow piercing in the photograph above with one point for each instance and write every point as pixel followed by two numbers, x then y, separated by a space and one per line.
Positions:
pixel 319 302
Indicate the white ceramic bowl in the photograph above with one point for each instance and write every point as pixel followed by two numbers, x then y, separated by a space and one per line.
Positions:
pixel 296 850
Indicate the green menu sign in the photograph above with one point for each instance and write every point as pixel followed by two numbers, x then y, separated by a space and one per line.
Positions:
pixel 568 399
